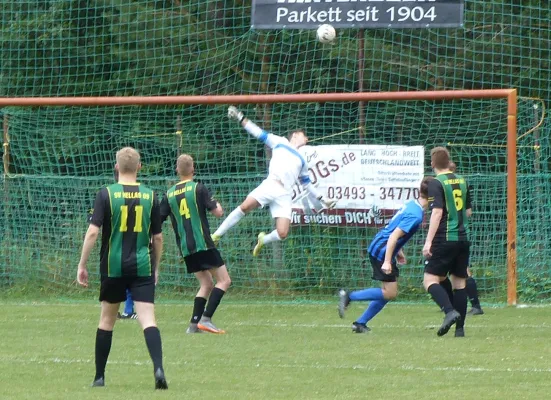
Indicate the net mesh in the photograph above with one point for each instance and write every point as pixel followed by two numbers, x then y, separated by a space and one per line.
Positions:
pixel 59 156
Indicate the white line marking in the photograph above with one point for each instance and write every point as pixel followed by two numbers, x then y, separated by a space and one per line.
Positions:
pixel 279 324
pixel 227 364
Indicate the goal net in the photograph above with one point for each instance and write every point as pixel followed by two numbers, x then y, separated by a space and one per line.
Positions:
pixel 56 158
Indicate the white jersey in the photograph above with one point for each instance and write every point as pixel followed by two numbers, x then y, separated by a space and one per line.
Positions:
pixel 287 165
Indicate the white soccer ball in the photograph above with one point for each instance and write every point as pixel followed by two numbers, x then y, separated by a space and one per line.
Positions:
pixel 326 33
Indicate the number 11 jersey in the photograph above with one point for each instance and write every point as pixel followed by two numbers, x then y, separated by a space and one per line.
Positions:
pixel 130 215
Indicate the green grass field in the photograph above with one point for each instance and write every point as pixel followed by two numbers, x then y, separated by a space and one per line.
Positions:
pixel 279 351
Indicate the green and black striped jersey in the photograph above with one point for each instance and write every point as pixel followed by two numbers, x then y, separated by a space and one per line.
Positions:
pixel 130 216
pixel 187 204
pixel 450 193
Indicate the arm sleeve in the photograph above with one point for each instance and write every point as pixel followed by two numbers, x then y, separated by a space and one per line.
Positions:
pixel 469 198
pixel 436 194
pixel 206 197
pixel 100 206
pixel 164 209
pixel 313 191
pixel 156 217
pixel 268 139
pixel 89 214
pixel 409 222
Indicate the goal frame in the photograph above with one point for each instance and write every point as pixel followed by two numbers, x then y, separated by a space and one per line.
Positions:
pixel 509 94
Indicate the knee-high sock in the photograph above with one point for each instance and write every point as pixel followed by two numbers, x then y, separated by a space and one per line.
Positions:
pixel 271 237
pixel 367 294
pixel 154 345
pixel 373 309
pixel 440 297
pixel 103 347
pixel 214 300
pixel 198 309
pixel 232 219
pixel 472 292
pixel 460 304
pixel 447 285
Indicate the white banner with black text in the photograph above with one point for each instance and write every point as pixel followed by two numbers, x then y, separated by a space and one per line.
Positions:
pixel 369 182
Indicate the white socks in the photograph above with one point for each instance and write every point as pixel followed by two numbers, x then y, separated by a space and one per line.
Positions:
pixel 271 237
pixel 232 219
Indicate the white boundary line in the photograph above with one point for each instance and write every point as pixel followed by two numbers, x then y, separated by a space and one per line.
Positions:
pixel 226 364
pixel 186 302
pixel 279 324
pixel 276 303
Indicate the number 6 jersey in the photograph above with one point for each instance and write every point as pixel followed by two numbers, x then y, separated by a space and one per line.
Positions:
pixel 450 193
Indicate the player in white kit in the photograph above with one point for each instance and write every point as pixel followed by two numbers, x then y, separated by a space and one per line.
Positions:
pixel 287 166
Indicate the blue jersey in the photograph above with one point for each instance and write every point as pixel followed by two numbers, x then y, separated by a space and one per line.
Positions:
pixel 408 219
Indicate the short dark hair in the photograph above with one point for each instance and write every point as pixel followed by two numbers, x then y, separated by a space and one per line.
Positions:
pixel 452 166
pixel 290 134
pixel 440 157
pixel 424 188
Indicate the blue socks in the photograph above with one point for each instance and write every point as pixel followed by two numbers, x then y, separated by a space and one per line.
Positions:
pixel 367 295
pixel 374 308
pixel 129 303
pixel 376 299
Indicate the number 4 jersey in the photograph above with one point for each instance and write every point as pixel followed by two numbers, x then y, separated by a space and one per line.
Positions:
pixel 130 215
pixel 450 193
pixel 187 203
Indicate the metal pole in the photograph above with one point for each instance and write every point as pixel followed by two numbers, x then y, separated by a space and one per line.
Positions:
pixel 361 66
pixel 512 198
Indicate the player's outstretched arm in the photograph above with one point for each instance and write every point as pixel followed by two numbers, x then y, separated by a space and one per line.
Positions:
pixel 253 129
pixel 235 114
pixel 314 193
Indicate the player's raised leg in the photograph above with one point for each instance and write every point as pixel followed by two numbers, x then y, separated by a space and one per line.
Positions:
pixel 378 298
pixel 279 233
pixel 235 216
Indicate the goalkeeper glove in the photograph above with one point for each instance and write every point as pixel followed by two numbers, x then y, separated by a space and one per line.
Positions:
pixel 234 113
pixel 327 203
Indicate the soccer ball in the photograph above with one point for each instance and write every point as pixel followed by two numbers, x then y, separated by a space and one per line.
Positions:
pixel 326 33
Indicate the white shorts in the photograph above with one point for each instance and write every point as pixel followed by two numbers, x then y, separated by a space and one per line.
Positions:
pixel 272 193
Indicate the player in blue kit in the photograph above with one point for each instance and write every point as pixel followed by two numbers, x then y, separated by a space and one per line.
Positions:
pixel 385 252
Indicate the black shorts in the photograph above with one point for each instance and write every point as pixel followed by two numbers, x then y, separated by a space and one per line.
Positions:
pixel 449 258
pixel 203 261
pixel 113 290
pixel 379 275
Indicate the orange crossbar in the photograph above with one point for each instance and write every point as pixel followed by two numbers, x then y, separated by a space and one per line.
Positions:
pixel 509 94
pixel 255 98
